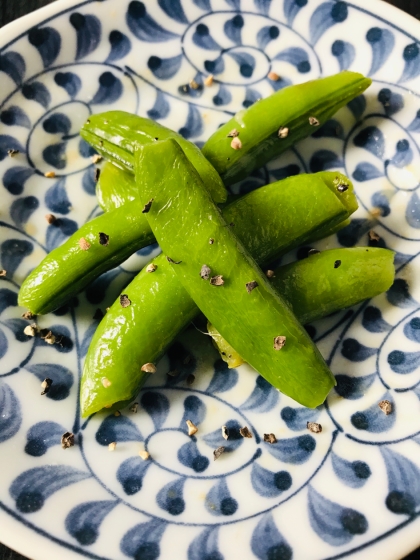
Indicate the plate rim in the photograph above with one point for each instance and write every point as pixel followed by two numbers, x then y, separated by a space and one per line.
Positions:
pixel 23 536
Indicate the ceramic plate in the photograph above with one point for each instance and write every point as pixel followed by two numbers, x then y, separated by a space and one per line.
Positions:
pixel 352 490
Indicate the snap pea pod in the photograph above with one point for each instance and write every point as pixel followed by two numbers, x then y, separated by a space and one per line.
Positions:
pixel 238 299
pixel 68 269
pixel 115 134
pixel 269 234
pixel 161 308
pixel 315 287
pixel 115 187
pixel 291 108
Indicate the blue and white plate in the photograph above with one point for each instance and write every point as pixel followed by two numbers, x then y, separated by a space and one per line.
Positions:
pixel 352 490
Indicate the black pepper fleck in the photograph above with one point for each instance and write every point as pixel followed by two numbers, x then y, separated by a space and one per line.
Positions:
pixel 103 239
pixel 185 88
pixel 67 440
pixel 134 407
pixel 124 301
pixel 28 315
pixel 46 385
pixel 314 427
pixel 279 342
pixel 245 432
pixel 341 185
pixel 172 261
pixel 217 280
pixel 217 452
pixel 373 236
pixel 48 336
pixel 205 272
pixel 385 406
pixel 251 286
pixel 50 218
pixel 283 132
pixel 149 368
pixel 147 206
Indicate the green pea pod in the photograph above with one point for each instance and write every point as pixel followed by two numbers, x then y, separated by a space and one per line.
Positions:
pixel 238 298
pixel 68 269
pixel 115 187
pixel 292 110
pixel 316 287
pixel 298 224
pixel 161 308
pixel 115 134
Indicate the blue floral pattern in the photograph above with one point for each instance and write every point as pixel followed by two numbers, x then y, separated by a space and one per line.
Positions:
pixel 352 485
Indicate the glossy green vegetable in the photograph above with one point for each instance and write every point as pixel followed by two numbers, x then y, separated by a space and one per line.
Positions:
pixel 252 319
pixel 291 107
pixel 302 189
pixel 161 308
pixel 315 287
pixel 115 187
pixel 115 135
pixel 68 269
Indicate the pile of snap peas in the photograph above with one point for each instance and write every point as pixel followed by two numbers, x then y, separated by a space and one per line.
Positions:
pixel 156 185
